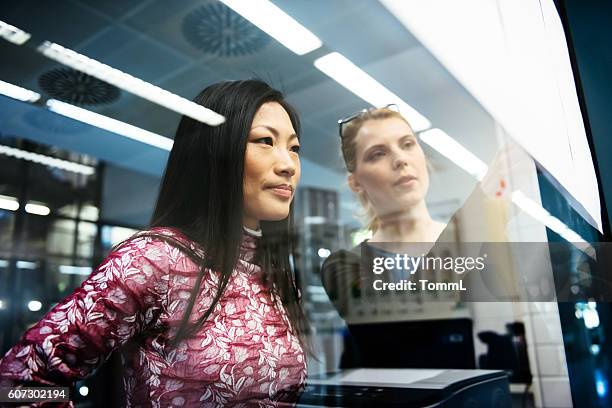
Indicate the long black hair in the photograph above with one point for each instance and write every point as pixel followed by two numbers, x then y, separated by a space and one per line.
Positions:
pixel 201 195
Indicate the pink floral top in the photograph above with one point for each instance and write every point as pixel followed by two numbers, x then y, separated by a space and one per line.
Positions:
pixel 246 354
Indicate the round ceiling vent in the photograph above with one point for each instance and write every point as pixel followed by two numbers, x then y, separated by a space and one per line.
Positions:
pixel 216 29
pixel 78 88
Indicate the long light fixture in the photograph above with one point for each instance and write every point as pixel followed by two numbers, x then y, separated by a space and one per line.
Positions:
pixel 75 270
pixel 455 152
pixel 8 203
pixel 13 34
pixel 130 83
pixel 277 24
pixel 47 160
pixel 26 265
pixel 110 124
pixel 17 92
pixel 37 209
pixel 353 78
pixel 539 213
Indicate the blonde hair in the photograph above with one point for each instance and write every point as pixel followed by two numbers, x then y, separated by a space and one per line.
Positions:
pixel 349 154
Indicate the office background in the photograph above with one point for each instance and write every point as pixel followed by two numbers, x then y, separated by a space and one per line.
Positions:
pixel 58 220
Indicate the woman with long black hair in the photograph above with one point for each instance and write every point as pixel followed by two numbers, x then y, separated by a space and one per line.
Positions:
pixel 203 304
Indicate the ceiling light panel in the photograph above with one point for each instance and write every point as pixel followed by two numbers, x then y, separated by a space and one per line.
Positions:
pixel 130 83
pixel 455 152
pixel 47 160
pixel 110 124
pixel 37 209
pixel 8 203
pixel 17 92
pixel 277 24
pixel 353 78
pixel 13 34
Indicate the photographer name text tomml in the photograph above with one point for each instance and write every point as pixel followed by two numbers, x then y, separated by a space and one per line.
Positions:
pixel 422 284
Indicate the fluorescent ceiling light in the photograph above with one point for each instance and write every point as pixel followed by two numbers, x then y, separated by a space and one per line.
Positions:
pixel 455 152
pixel 110 124
pixel 47 160
pixel 353 78
pixel 34 305
pixel 3 263
pixel 17 92
pixel 129 83
pixel 8 203
pixel 277 24
pixel 323 253
pixel 314 219
pixel 26 265
pixel 37 209
pixel 75 270
pixel 13 34
pixel 539 213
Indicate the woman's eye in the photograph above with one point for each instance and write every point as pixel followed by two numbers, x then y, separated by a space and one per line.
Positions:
pixel 296 149
pixel 408 144
pixel 376 155
pixel 266 140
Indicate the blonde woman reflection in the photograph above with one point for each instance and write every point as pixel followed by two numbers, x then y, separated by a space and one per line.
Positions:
pixel 388 171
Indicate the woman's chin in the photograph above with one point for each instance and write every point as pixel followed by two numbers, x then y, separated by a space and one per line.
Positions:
pixel 275 216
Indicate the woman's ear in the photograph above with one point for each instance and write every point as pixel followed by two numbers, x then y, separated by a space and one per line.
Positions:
pixel 354 184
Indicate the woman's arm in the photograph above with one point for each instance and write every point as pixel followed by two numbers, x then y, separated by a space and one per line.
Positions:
pixel 119 300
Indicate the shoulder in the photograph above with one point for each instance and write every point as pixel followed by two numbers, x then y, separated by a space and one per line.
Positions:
pixel 161 245
pixel 439 228
pixel 160 238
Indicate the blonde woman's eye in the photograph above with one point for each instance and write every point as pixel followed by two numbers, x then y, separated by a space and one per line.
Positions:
pixel 265 140
pixel 376 155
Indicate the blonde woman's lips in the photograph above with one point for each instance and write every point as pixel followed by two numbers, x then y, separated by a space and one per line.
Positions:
pixel 405 181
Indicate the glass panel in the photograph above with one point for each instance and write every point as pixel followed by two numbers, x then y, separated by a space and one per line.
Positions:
pixel 7 224
pixel 86 239
pixel 112 235
pixel 89 212
pixel 60 240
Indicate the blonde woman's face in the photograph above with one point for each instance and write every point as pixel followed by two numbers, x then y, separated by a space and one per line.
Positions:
pixel 391 169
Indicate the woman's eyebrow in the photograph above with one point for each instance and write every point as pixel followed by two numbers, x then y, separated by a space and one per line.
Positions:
pixel 373 147
pixel 408 136
pixel 274 131
pixel 270 128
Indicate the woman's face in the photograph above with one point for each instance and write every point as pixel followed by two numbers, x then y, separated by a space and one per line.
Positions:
pixel 391 168
pixel 271 166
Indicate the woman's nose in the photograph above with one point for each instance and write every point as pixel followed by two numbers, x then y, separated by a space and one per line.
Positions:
pixel 284 165
pixel 399 160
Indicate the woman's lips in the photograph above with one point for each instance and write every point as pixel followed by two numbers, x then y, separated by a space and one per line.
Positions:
pixel 282 191
pixel 405 181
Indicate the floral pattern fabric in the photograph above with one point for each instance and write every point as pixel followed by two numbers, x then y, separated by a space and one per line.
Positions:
pixel 246 354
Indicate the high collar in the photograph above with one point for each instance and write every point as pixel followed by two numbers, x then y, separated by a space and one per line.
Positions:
pixel 248 244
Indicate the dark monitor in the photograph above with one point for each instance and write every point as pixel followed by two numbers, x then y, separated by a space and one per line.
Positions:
pixel 440 343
